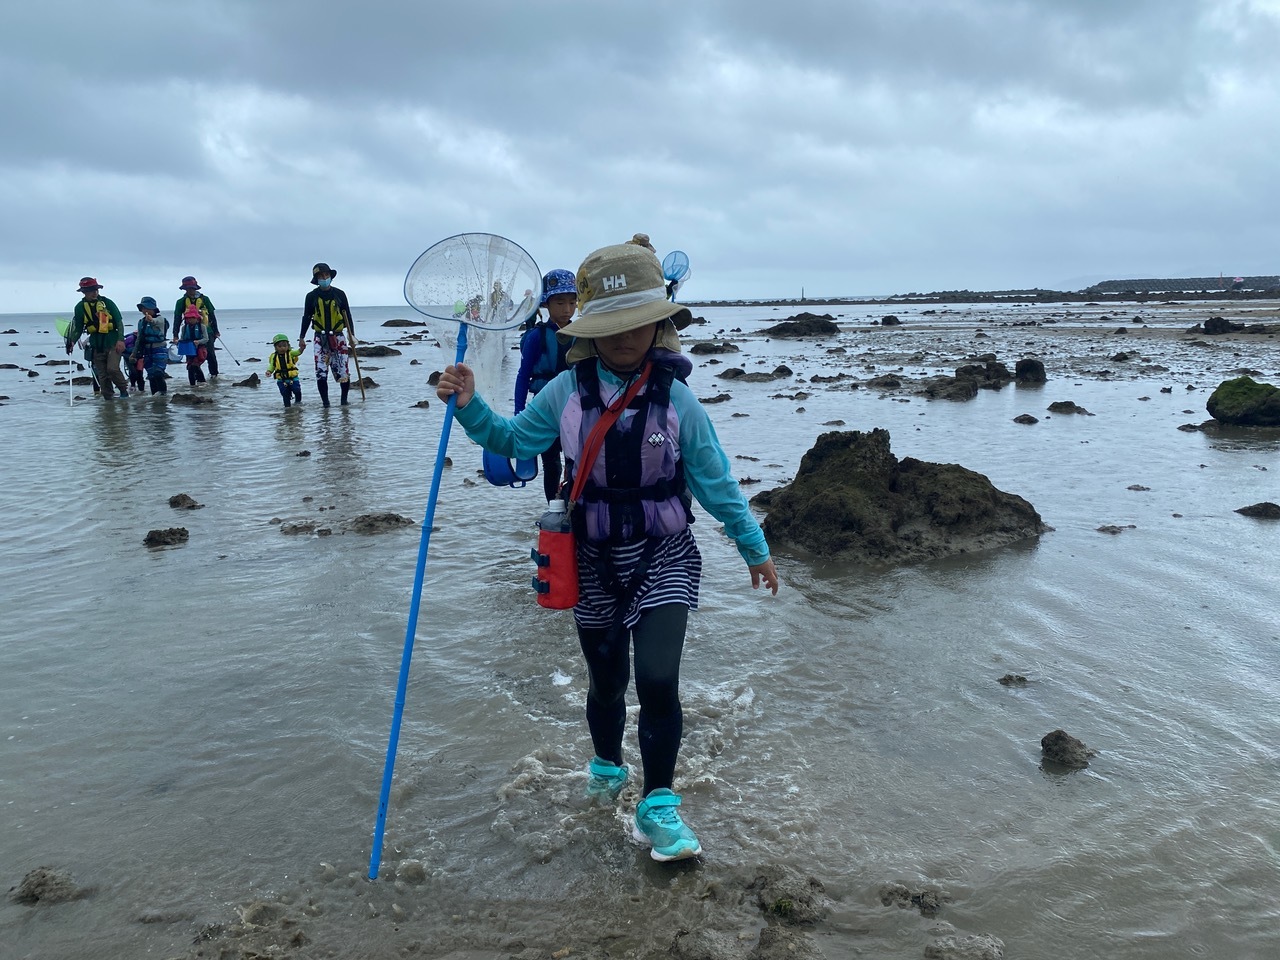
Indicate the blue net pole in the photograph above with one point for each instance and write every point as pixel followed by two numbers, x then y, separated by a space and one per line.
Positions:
pixel 411 629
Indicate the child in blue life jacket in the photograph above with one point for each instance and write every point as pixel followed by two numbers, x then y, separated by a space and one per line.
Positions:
pixel 283 366
pixel 194 331
pixel 150 347
pixel 639 569
pixel 542 358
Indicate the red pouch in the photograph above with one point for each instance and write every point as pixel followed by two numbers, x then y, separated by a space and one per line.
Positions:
pixel 334 346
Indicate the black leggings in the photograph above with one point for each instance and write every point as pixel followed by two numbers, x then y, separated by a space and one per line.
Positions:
pixel 659 642
pixel 551 471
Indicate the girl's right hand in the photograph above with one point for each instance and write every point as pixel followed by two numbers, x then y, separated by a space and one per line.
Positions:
pixel 457 381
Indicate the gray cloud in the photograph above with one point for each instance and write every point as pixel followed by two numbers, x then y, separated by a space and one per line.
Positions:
pixel 852 148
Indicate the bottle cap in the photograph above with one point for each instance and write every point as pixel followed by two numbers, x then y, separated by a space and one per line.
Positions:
pixel 555 506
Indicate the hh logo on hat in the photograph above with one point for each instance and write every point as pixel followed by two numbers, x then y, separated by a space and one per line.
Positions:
pixel 614 283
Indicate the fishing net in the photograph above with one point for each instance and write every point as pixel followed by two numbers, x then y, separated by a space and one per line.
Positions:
pixel 489 283
pixel 675 265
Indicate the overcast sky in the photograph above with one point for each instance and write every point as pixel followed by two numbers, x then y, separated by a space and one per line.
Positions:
pixel 850 148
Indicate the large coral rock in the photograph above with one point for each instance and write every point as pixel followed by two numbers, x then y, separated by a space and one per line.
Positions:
pixel 1245 402
pixel 852 499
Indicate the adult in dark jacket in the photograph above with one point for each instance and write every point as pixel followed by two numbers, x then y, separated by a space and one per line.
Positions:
pixel 100 319
pixel 327 312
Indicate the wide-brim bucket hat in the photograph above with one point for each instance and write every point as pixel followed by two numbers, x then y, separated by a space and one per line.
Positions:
pixel 88 283
pixel 188 283
pixel 320 268
pixel 147 303
pixel 620 288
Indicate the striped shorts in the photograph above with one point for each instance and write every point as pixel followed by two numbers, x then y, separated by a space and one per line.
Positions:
pixel 673 576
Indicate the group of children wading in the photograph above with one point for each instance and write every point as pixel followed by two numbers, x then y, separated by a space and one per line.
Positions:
pixel 147 351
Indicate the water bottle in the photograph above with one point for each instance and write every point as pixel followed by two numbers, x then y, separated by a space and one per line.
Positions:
pixel 556 555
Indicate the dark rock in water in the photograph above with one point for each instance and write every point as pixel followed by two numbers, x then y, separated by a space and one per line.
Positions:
pixel 733 373
pixel 303 453
pixel 367 382
pixel 783 943
pixel 1244 402
pixel 167 538
pixel 950 388
pixel 1068 406
pixel 376 350
pixel 785 895
pixel 403 323
pixel 182 501
pixel 422 405
pixel 718 398
pixel 47 885
pixel 1013 680
pixel 190 399
pixel 1219 325
pixel 434 378
pixel 1121 357
pixel 1060 747
pixel 1029 370
pixel 804 325
pixel 929 902
pixel 890 321
pixel 1115 529
pixel 708 347
pixel 1266 510
pixel 1026 418
pixel 991 374
pixel 852 499
pixel 253 380
pixel 298 527
pixel 886 381
pixel 379 522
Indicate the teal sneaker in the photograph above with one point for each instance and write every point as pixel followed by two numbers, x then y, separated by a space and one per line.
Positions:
pixel 658 824
pixel 605 779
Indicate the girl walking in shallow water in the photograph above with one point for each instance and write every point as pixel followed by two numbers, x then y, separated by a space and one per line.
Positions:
pixel 639 568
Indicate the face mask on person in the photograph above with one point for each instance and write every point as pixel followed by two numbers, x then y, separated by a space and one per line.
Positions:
pixel 324 283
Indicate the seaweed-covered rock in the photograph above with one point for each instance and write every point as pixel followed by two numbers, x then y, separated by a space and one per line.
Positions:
pixel 167 538
pixel 852 499
pixel 990 374
pixel 1245 402
pixel 1068 406
pixel 47 885
pixel 983 947
pixel 379 522
pixel 1060 747
pixel 709 347
pixel 1029 370
pixel 1266 510
pixel 184 501
pixel 1215 326
pixel 804 325
pixel 950 388
pixel 787 897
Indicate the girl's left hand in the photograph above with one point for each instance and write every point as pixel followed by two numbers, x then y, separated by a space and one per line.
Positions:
pixel 765 572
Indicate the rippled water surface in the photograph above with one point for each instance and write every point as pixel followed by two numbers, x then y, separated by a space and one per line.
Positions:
pixel 192 730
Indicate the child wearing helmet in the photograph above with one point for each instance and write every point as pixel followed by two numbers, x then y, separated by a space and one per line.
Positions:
pixel 283 366
pixel 542 358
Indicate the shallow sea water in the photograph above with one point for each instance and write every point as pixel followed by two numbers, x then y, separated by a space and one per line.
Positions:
pixel 197 733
